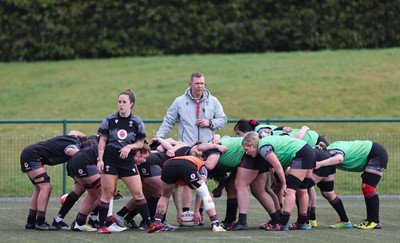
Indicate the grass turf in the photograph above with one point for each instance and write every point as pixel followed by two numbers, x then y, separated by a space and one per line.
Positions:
pixel 14 214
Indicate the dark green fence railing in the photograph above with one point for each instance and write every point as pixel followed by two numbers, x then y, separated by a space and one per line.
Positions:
pixel 13 183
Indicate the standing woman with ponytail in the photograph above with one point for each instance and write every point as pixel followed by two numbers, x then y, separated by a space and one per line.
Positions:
pixel 122 144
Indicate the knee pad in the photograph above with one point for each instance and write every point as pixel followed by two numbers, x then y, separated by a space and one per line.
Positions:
pixel 292 182
pixel 370 178
pixel 326 186
pixel 42 178
pixel 203 192
pixel 304 183
pixel 311 183
pixel 369 182
pixel 95 184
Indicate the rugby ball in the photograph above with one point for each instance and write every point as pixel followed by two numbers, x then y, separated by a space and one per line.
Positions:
pixel 62 198
pixel 187 219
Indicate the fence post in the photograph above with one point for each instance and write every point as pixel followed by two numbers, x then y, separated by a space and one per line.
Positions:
pixel 64 186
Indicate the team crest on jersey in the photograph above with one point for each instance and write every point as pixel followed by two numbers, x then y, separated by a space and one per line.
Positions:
pixel 80 171
pixel 26 165
pixel 122 134
pixel 193 176
pixel 143 170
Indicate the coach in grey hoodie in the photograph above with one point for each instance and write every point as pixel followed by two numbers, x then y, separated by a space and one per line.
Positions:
pixel 198 112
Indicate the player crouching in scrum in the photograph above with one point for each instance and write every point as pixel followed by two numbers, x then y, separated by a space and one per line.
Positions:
pixel 186 170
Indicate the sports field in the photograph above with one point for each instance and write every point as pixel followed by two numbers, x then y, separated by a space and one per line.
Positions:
pixel 326 84
pixel 13 215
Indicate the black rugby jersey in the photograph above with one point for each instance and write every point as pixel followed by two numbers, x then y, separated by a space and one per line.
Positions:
pixel 90 153
pixel 121 131
pixel 53 150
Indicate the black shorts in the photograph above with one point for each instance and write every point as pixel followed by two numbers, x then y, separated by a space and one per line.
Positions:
pixel 325 171
pixel 304 159
pixel 149 170
pixel 30 160
pixel 153 165
pixel 81 167
pixel 31 166
pixel 180 169
pixel 377 158
pixel 114 165
pixel 257 163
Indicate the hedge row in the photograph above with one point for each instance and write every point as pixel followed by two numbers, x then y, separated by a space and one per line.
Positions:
pixel 67 29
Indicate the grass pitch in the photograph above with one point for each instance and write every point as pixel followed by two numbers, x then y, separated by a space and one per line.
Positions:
pixel 14 213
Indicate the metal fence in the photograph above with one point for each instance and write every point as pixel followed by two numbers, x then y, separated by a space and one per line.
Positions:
pixel 13 183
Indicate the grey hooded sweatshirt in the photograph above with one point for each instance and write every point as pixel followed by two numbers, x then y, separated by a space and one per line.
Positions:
pixel 185 111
